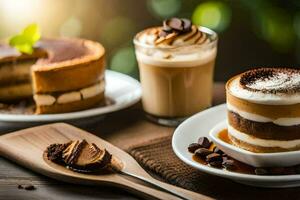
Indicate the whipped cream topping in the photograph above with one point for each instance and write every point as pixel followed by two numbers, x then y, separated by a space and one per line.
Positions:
pixel 258 118
pixel 262 142
pixel 260 96
pixel 85 93
pixel 153 37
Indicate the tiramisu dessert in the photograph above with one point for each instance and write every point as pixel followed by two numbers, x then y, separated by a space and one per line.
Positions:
pixel 264 110
pixel 62 75
pixel 176 63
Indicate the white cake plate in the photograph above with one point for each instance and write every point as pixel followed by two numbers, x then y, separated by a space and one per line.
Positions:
pixel 122 90
pixel 200 125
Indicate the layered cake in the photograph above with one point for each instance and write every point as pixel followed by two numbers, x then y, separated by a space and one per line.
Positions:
pixel 62 75
pixel 264 109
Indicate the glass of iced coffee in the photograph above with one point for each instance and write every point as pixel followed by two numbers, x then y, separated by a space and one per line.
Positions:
pixel 176 64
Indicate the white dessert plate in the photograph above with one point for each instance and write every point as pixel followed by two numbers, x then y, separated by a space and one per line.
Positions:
pixel 200 125
pixel 280 159
pixel 122 90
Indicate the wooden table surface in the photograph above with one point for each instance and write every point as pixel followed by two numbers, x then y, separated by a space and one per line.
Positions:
pixel 123 128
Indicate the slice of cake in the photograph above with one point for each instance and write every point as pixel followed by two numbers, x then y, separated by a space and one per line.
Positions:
pixel 71 78
pixel 80 156
pixel 264 110
pixel 62 75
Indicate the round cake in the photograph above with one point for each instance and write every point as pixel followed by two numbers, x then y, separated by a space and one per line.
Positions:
pixel 264 109
pixel 62 75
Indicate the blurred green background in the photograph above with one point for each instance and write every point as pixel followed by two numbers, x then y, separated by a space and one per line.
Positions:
pixel 252 33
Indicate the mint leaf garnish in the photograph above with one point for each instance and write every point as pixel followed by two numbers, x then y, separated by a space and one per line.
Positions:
pixel 25 41
pixel 32 31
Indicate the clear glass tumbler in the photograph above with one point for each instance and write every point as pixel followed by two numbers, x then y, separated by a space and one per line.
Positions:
pixel 176 81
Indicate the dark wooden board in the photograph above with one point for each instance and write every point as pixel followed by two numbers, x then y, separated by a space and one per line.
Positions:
pixel 11 175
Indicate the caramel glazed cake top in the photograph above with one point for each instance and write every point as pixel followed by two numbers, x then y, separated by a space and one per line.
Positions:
pixel 268 86
pixel 58 58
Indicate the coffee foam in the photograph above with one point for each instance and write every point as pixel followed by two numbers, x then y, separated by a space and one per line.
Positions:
pixel 261 96
pixel 164 59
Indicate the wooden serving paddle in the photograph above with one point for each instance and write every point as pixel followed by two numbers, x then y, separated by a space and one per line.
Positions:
pixel 27 147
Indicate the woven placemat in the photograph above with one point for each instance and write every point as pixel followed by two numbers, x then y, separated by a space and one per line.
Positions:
pixel 158 158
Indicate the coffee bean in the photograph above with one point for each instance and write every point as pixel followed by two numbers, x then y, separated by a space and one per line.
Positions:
pixel 261 171
pixel 202 152
pixel 214 157
pixel 175 24
pixel 204 142
pixel 229 164
pixel 217 164
pixel 217 150
pixel 193 147
pixel 29 187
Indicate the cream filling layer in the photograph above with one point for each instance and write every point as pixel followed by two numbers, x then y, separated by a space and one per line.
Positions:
pixel 85 93
pixel 258 118
pixel 262 142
